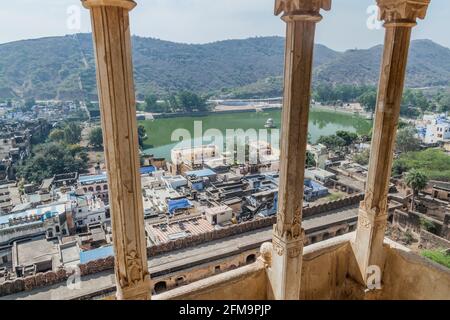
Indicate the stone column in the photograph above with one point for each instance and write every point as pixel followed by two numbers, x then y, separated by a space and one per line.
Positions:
pixel 112 42
pixel 301 17
pixel 399 17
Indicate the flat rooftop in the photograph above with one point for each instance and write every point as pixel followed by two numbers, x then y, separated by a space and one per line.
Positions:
pixel 165 232
pixel 36 251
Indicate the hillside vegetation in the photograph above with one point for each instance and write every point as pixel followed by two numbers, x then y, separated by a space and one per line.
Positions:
pixel 64 68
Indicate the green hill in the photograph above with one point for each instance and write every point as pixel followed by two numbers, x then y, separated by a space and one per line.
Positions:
pixel 63 67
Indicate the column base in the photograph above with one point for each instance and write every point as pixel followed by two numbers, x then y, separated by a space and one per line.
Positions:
pixel 368 246
pixel 286 267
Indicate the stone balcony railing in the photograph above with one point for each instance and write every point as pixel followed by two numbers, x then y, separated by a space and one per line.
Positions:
pixel 329 271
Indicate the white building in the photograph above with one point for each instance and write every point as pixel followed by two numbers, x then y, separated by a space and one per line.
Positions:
pixel 194 155
pixel 438 130
pixel 320 153
pixel 96 185
pixel 89 210
pixel 219 214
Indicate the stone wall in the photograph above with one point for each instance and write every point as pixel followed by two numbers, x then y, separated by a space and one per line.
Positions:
pixel 412 221
pixel 52 277
pixel 431 241
pixel 408 276
pixel 246 283
pixel 48 278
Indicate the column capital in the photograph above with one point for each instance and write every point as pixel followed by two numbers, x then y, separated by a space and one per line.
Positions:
pixel 308 10
pixel 126 4
pixel 402 12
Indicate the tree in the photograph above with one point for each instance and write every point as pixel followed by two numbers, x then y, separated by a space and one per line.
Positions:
pixel 443 102
pixel 50 159
pixel 56 135
pixel 142 135
pixel 151 103
pixel 172 102
pixel 368 100
pixel 189 101
pixel 332 142
pixel 362 158
pixel 96 138
pixel 407 140
pixel 348 137
pixel 310 161
pixel 417 181
pixel 72 133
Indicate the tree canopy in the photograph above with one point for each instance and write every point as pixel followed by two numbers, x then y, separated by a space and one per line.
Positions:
pixel 96 138
pixel 434 163
pixel 407 140
pixel 72 133
pixel 50 159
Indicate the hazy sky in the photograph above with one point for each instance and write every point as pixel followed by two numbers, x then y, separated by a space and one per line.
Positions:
pixel 201 21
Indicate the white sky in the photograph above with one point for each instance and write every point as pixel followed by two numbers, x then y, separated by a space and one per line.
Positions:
pixel 201 21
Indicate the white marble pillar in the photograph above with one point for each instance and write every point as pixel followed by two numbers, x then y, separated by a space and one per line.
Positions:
pixel 399 17
pixel 300 17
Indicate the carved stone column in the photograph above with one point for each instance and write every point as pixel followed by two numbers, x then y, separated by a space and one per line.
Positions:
pixel 301 17
pixel 112 42
pixel 399 16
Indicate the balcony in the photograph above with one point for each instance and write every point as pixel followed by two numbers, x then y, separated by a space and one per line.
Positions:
pixel 329 271
pixel 359 265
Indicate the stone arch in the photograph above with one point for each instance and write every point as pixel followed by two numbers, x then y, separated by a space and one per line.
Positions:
pixel 250 258
pixel 160 286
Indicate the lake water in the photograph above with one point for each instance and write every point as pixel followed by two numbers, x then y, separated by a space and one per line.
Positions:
pixel 321 122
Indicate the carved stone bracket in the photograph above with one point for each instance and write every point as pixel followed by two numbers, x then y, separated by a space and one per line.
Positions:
pixel 289 231
pixel 292 247
pixel 126 4
pixel 404 12
pixel 369 221
pixel 374 208
pixel 301 7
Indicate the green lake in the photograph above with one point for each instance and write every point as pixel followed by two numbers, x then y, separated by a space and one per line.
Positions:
pixel 321 122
